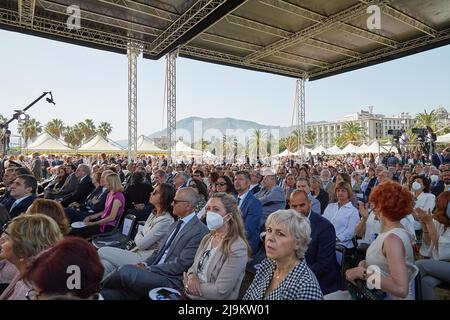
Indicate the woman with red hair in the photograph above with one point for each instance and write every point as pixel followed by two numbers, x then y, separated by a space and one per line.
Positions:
pixel 391 253
pixel 56 268
pixel 435 246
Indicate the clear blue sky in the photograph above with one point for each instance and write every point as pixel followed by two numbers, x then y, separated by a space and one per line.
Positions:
pixel 90 83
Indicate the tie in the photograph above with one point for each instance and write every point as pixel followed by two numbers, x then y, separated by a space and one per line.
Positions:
pixel 238 201
pixel 168 243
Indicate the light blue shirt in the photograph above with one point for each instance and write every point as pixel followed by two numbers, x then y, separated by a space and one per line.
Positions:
pixel 185 220
pixel 243 198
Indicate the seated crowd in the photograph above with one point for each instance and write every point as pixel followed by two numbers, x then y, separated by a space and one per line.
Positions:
pixel 308 231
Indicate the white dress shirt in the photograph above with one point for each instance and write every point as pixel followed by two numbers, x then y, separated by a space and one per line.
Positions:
pixel 344 220
pixel 425 201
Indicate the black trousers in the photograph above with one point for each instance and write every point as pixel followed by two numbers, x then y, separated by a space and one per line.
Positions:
pixel 89 231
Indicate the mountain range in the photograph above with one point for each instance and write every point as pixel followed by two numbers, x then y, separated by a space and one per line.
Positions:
pixel 215 126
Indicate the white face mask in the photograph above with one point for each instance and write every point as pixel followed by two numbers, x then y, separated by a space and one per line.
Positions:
pixel 416 186
pixel 214 220
pixel 434 178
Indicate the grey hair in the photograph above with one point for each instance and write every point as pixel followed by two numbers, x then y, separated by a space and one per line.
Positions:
pixel 184 175
pixel 326 171
pixel 297 225
pixel 86 169
pixel 191 195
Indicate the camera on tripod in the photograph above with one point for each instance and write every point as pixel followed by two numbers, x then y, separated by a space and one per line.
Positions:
pixel 395 134
pixel 420 133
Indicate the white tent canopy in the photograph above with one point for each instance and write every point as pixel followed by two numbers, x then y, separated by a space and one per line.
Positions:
pixel 350 148
pixel 285 153
pixel 334 150
pixel 145 145
pixel 443 139
pixel 361 149
pixel 99 144
pixel 184 150
pixel 47 143
pixel 319 150
pixel 374 148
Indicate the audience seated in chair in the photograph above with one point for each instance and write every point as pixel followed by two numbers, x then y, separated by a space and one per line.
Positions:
pixel 109 218
pixel 24 238
pixel 165 267
pixel 149 238
pixel 219 264
pixel 321 253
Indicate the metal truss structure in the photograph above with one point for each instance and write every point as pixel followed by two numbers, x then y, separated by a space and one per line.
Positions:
pixel 133 52
pixel 171 86
pixel 299 106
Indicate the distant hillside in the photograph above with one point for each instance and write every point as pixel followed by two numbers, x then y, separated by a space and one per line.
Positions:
pixel 214 126
pixel 220 124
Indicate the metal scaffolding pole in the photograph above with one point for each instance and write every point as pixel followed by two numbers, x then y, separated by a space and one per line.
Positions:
pixel 300 110
pixel 133 51
pixel 171 104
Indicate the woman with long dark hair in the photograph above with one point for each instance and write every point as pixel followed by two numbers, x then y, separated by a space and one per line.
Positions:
pixel 149 238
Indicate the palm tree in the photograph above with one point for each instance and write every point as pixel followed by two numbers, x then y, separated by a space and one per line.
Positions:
pixel 88 129
pixel 29 129
pixel 258 138
pixel 55 127
pixel 310 137
pixel 352 132
pixel 427 119
pixel 229 145
pixel 104 129
pixel 73 136
pixel 2 119
pixel 203 143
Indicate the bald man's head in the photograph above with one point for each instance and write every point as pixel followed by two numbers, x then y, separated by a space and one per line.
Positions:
pixel 299 202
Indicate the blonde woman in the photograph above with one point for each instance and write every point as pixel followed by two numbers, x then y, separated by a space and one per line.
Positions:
pixel 219 264
pixel 54 210
pixel 25 237
pixel 107 219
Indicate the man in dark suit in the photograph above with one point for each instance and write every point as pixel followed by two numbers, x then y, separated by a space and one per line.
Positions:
pixel 181 179
pixel 251 208
pixel 321 254
pixel 374 181
pixel 23 190
pixel 255 179
pixel 36 165
pixel 69 186
pixel 281 176
pixel 84 186
pixel 165 267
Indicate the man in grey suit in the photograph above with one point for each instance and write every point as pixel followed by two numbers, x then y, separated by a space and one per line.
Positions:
pixel 166 266
pixel 271 196
pixel 36 167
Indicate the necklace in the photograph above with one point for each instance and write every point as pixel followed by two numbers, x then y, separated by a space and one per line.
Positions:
pixel 278 273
